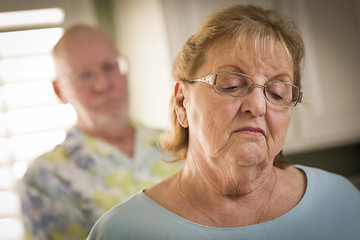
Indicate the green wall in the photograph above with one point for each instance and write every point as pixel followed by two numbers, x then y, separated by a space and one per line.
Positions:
pixel 105 16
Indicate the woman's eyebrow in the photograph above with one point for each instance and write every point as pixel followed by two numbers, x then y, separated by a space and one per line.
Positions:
pixel 232 68
pixel 282 77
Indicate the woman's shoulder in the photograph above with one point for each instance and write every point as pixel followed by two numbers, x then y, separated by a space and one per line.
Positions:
pixel 120 215
pixel 326 183
pixel 136 218
pixel 320 175
pixel 132 205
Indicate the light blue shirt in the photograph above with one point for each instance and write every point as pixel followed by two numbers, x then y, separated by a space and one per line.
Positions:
pixel 330 209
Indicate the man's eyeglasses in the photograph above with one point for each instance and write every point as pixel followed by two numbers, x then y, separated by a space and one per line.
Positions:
pixel 234 84
pixel 111 69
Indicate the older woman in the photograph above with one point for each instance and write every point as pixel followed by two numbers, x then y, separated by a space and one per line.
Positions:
pixel 238 77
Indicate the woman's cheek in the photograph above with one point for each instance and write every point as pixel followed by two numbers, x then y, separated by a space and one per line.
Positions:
pixel 279 125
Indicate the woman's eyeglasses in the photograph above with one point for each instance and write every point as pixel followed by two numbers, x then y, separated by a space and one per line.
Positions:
pixel 234 84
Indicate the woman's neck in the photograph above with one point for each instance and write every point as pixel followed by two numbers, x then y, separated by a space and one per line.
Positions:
pixel 245 202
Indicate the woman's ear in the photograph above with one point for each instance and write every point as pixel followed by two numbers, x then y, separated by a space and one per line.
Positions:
pixel 179 99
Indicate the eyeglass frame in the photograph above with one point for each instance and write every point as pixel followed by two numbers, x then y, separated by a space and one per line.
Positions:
pixel 211 79
pixel 122 65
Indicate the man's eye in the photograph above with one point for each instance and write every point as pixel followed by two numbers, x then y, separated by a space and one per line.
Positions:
pixel 84 76
pixel 109 67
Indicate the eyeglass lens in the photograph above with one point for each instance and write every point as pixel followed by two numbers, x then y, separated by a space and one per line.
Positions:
pixel 237 85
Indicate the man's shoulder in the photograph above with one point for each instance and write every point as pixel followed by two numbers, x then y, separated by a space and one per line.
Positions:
pixel 147 135
pixel 56 156
pixel 47 161
pixel 140 127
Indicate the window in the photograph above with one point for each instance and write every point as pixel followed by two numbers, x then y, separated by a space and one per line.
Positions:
pixel 32 120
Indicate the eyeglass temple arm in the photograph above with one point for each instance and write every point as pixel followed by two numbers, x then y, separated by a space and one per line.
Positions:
pixel 210 79
pixel 300 97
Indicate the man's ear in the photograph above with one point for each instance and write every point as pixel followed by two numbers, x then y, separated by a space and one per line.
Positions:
pixel 58 91
pixel 179 99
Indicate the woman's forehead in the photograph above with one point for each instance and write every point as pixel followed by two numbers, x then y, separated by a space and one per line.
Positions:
pixel 254 52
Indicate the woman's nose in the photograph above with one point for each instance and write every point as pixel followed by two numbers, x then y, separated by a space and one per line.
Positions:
pixel 255 101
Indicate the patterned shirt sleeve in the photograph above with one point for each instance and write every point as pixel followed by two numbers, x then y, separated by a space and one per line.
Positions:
pixel 50 209
pixel 65 191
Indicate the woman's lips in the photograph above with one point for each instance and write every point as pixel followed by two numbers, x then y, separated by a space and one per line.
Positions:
pixel 253 131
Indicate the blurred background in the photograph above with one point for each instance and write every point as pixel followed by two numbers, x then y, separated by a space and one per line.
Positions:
pixel 325 129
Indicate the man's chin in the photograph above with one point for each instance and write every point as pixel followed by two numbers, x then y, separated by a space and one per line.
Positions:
pixel 113 119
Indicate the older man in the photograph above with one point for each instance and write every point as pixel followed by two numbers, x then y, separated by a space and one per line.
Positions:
pixel 104 158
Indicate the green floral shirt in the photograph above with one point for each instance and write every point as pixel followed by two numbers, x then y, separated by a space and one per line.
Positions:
pixel 66 190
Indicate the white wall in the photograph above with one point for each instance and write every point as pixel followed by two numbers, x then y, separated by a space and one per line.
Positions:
pixel 141 34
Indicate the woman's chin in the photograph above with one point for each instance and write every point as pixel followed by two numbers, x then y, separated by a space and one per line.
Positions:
pixel 250 155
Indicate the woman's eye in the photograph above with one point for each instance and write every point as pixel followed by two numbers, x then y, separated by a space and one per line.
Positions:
pixel 278 91
pixel 230 85
pixel 275 95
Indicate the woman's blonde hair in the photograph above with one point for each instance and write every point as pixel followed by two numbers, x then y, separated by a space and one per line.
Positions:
pixel 237 23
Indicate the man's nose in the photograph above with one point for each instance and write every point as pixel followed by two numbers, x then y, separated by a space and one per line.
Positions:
pixel 101 81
